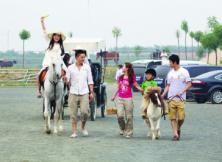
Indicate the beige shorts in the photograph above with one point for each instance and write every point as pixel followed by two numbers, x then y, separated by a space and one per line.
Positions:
pixel 79 101
pixel 176 110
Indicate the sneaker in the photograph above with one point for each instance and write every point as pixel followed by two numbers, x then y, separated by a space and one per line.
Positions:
pixel 176 138
pixel 85 132
pixel 128 136
pixel 74 135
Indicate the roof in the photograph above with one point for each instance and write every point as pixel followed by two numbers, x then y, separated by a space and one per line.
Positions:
pixel 92 45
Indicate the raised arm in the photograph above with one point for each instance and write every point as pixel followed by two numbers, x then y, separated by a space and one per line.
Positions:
pixel 43 24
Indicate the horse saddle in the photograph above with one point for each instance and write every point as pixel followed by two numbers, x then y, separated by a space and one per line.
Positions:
pixel 42 75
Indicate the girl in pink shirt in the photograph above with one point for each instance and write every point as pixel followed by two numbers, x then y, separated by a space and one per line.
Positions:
pixel 125 100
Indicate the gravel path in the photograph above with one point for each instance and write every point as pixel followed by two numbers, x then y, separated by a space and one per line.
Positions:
pixel 23 140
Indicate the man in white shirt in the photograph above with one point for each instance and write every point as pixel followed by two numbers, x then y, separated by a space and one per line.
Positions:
pixel 178 82
pixel 81 91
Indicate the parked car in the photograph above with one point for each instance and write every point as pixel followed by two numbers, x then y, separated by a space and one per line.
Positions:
pixel 147 62
pixel 208 87
pixel 194 70
pixel 153 63
pixel 139 70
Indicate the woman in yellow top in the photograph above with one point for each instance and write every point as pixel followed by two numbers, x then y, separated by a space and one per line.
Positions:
pixel 53 52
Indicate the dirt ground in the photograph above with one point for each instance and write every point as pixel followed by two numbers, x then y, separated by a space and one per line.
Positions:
pixel 23 139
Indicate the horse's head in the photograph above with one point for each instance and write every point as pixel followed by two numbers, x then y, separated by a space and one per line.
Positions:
pixel 155 98
pixel 55 69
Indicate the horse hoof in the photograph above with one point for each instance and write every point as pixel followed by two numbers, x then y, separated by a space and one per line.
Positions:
pixel 55 131
pixel 48 131
pixel 61 129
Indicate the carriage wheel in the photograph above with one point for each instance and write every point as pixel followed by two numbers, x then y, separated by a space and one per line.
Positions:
pixel 103 108
pixel 93 110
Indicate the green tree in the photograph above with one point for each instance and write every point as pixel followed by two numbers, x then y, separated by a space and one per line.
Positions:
pixel 178 41
pixel 24 35
pixel 212 22
pixel 184 27
pixel 192 37
pixel 138 50
pixel 116 34
pixel 200 52
pixel 166 49
pixel 197 37
pixel 210 41
pixel 218 34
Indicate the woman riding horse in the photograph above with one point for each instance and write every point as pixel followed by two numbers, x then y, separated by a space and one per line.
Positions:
pixel 54 51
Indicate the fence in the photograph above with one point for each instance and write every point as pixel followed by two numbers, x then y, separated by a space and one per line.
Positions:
pixel 18 77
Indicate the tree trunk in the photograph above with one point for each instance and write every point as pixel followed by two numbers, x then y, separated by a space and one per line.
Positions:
pixel 116 42
pixel 192 47
pixel 23 54
pixel 186 45
pixel 216 56
pixel 178 46
pixel 208 56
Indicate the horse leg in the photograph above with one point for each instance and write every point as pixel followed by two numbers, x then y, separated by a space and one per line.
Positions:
pixel 158 129
pixel 152 129
pixel 105 62
pixel 56 119
pixel 149 128
pixel 60 110
pixel 47 116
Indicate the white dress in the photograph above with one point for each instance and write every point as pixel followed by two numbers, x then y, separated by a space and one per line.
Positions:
pixel 52 55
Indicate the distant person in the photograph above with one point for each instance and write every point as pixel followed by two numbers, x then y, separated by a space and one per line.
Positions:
pixel 163 55
pixel 178 82
pixel 119 71
pixel 125 100
pixel 54 52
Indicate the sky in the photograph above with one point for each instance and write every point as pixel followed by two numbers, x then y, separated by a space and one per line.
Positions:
pixel 143 22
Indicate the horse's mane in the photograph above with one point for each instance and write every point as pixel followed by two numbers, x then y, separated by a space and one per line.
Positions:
pixel 153 98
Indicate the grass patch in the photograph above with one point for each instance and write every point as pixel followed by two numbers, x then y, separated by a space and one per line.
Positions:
pixel 110 73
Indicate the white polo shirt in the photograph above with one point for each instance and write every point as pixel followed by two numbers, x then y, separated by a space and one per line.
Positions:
pixel 177 79
pixel 80 79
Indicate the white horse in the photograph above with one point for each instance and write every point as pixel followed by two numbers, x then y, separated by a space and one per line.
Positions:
pixel 53 92
pixel 154 113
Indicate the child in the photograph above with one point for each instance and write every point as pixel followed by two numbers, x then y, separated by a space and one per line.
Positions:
pixel 148 85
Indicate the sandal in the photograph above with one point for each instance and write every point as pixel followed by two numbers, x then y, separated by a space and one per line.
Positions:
pixel 178 132
pixel 176 138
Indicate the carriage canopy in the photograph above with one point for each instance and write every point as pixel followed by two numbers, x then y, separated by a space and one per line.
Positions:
pixel 91 45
